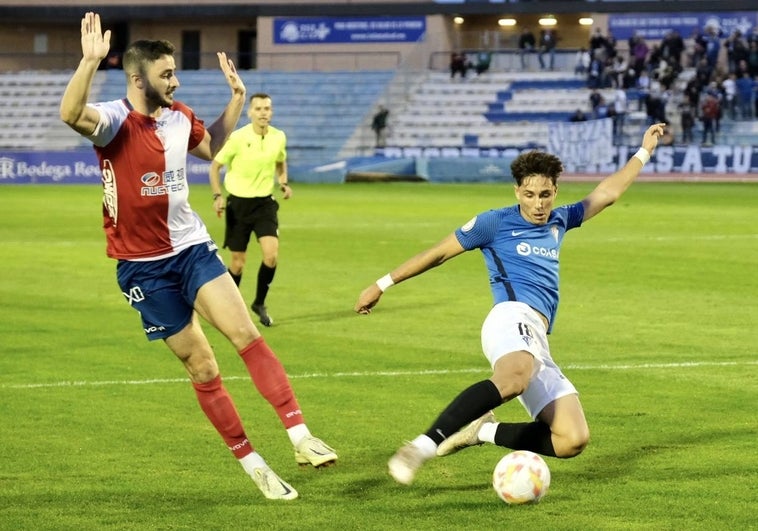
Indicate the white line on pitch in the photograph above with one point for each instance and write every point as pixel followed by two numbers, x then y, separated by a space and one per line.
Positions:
pixel 371 374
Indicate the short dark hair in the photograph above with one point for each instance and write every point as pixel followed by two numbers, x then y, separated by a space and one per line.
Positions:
pixel 261 95
pixel 140 53
pixel 536 163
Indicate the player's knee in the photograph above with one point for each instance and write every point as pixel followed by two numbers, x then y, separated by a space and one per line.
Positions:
pixel 201 369
pixel 573 443
pixel 512 386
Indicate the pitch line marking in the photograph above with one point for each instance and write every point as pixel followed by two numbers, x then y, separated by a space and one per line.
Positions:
pixel 573 367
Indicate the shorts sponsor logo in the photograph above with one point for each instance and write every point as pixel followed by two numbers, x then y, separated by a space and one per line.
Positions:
pixel 135 295
pixel 153 329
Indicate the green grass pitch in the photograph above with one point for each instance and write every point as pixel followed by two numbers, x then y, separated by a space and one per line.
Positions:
pixel 100 429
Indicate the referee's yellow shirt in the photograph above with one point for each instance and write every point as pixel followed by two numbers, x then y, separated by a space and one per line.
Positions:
pixel 250 161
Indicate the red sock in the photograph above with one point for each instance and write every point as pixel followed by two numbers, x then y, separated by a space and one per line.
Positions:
pixel 271 381
pixel 218 407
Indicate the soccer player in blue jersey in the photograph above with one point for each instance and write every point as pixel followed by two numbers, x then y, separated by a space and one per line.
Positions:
pixel 521 245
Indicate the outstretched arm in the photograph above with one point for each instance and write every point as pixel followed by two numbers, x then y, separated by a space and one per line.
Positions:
pixel 95 45
pixel 610 189
pixel 219 131
pixel 448 248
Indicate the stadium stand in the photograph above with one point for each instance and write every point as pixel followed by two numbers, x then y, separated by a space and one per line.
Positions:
pixel 327 114
pixel 317 110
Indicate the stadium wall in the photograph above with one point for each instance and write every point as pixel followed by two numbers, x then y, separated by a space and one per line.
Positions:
pixel 723 163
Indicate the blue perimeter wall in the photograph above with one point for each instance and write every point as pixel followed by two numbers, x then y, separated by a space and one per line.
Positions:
pixel 454 164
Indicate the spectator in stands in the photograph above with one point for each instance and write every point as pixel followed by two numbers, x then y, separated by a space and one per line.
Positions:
pixel 168 266
pixel 547 47
pixel 710 110
pixel 458 65
pixel 703 72
pixel 256 160
pixel 582 62
pixel 514 335
pixel 745 88
pixel 672 46
pixel 619 114
pixel 578 116
pixel 729 86
pixel 619 69
pixel 596 71
pixel 643 88
pixel 736 50
pixel 483 61
pixel 656 103
pixel 597 105
pixel 610 46
pixel 638 54
pixel 526 45
pixel 752 59
pixel 687 121
pixel 598 44
pixel 379 125
pixel 698 47
pixel 712 46
pixel 692 93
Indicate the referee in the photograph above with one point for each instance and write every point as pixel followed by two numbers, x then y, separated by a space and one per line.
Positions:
pixel 256 159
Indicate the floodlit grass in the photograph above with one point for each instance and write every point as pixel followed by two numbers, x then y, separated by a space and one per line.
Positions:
pixel 100 429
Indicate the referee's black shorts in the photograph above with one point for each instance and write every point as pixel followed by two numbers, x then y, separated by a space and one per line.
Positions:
pixel 245 215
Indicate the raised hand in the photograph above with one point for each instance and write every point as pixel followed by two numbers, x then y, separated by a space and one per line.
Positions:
pixel 95 43
pixel 230 72
pixel 653 133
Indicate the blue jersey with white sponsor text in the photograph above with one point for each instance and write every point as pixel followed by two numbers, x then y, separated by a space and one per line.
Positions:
pixel 521 257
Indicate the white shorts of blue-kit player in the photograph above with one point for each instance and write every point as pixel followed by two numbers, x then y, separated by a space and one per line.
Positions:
pixel 515 326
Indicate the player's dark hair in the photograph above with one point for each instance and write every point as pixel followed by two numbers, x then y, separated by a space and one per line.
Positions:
pixel 140 53
pixel 261 95
pixel 536 163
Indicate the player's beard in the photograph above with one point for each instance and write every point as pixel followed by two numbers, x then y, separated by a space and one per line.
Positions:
pixel 156 98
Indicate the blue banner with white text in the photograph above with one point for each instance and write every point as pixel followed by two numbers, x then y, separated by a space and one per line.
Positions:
pixel 443 164
pixel 349 30
pixel 655 25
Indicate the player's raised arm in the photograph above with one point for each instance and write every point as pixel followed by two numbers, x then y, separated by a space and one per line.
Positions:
pixel 95 45
pixel 448 248
pixel 610 189
pixel 219 131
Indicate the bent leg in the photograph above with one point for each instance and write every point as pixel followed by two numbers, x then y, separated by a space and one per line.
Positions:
pixel 193 350
pixel 570 433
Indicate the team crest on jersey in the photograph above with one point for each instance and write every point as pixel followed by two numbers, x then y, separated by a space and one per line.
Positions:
pixel 470 225
pixel 554 231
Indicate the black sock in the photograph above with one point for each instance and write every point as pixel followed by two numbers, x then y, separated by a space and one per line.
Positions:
pixel 532 436
pixel 265 277
pixel 471 404
pixel 237 278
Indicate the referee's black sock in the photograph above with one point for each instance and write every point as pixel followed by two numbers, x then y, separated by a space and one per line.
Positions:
pixel 265 277
pixel 237 278
pixel 471 404
pixel 532 436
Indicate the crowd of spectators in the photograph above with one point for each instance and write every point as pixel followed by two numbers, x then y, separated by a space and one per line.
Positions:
pixel 724 84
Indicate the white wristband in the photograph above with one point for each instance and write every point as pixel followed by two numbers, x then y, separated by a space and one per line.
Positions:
pixel 385 282
pixel 643 155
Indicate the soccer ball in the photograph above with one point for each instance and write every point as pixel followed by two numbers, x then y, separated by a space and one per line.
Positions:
pixel 521 477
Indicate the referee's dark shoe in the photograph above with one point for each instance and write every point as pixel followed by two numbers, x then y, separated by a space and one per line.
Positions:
pixel 260 311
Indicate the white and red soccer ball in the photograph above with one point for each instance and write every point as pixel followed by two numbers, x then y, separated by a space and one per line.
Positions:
pixel 521 477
